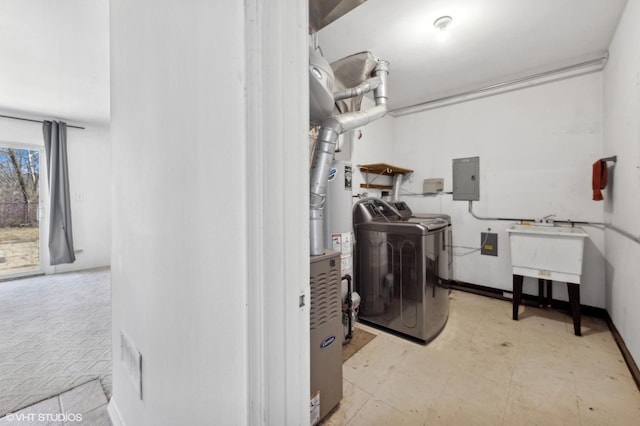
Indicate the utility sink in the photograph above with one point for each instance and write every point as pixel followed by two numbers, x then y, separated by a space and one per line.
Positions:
pixel 547 252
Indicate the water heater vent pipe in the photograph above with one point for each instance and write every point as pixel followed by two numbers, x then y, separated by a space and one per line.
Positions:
pixel 330 129
pixel 397 182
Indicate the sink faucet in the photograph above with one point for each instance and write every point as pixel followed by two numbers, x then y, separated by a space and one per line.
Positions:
pixel 547 219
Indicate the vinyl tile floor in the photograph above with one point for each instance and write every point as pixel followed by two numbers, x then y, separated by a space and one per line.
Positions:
pixel 83 405
pixel 486 369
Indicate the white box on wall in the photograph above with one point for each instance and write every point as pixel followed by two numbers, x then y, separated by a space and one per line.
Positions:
pixel 432 185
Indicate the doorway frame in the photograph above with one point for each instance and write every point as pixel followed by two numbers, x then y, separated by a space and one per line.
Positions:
pixel 277 211
pixel 43 212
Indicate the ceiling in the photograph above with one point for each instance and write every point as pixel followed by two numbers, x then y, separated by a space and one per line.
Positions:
pixel 54 59
pixel 54 55
pixel 489 41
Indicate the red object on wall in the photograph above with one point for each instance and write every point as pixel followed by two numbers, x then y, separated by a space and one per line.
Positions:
pixel 599 180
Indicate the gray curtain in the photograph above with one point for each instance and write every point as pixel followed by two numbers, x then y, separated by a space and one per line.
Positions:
pixel 60 234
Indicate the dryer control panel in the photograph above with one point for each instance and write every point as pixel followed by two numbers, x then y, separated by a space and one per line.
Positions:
pixel 403 209
pixel 374 210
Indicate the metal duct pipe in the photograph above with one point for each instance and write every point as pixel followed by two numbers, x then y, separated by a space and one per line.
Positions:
pixel 353 120
pixel 322 157
pixel 360 89
pixel 397 181
pixel 330 129
pixel 506 86
pixel 324 12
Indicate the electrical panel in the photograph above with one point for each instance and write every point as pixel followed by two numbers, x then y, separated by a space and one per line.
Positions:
pixel 466 179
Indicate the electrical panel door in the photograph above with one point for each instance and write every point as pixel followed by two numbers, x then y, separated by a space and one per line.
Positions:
pixel 466 179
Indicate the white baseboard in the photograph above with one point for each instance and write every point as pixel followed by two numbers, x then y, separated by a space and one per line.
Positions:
pixel 114 413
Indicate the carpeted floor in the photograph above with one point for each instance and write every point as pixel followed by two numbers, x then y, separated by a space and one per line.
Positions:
pixel 55 333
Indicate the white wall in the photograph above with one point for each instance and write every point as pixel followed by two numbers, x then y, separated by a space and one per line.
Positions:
pixel 89 154
pixel 374 145
pixel 210 211
pixel 622 204
pixel 90 186
pixel 178 281
pixel 536 148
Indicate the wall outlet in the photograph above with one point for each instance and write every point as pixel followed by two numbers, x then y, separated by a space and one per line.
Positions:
pixel 131 361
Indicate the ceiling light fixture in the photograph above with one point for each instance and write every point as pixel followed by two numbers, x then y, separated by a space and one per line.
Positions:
pixel 442 24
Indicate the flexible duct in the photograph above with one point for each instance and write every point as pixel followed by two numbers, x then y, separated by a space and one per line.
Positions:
pixel 330 129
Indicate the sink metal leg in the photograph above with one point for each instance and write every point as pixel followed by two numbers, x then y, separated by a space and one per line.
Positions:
pixel 517 294
pixel 541 292
pixel 574 300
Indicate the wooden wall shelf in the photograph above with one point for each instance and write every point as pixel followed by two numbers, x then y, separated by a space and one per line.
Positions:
pixel 375 186
pixel 383 169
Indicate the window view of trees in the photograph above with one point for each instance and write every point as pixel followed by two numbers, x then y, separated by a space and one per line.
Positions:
pixel 19 206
